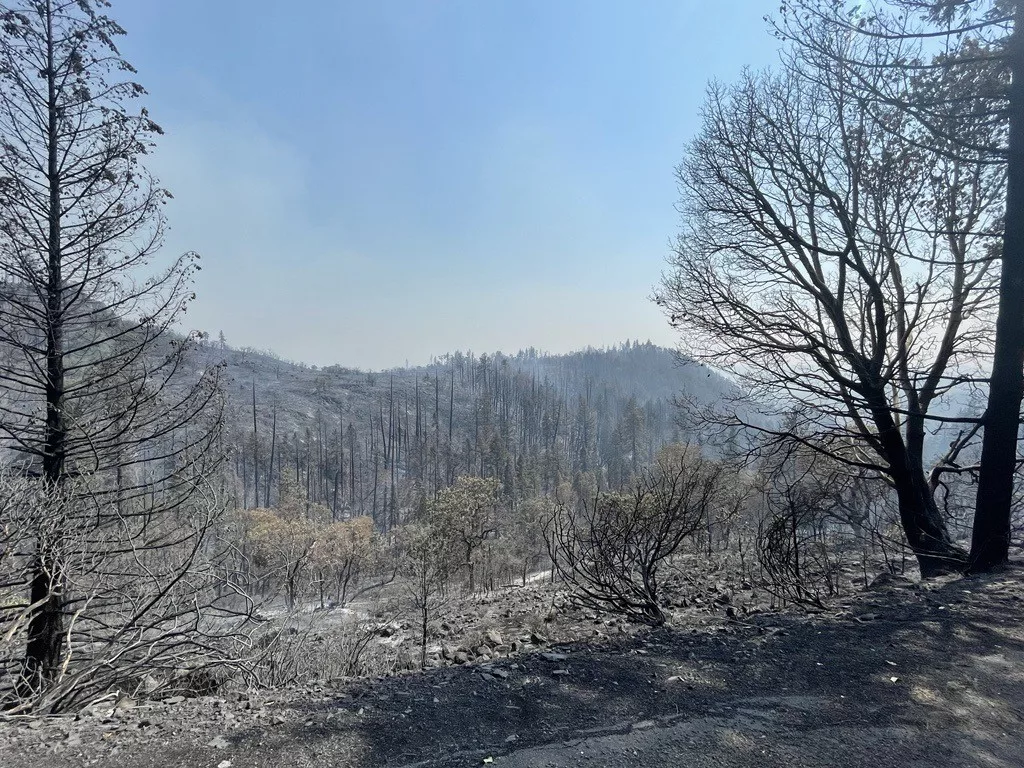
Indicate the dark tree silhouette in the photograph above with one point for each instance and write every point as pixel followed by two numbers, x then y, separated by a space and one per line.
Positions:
pixel 953 43
pixel 840 272
pixel 96 404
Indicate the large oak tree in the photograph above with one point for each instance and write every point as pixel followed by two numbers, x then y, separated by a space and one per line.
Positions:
pixel 842 273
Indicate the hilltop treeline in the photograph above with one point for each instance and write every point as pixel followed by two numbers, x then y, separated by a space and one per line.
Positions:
pixel 378 444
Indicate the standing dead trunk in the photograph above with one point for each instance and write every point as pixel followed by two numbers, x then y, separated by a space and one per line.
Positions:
pixel 990 542
pixel 46 625
pixel 270 465
pixel 423 634
pixel 255 452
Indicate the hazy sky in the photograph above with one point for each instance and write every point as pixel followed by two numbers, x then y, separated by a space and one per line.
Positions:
pixel 381 181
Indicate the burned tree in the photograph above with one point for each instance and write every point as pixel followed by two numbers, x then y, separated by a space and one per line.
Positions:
pixel 969 54
pixel 840 271
pixel 611 548
pixel 426 563
pixel 96 408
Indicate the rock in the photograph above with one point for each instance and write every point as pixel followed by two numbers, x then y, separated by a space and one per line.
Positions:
pixel 482 651
pixel 538 639
pixel 503 650
pixel 551 656
pixel 219 742
pixel 559 672
pixel 124 703
pixel 460 657
pixel 886 579
pixel 174 700
pixel 447 652
pixel 492 638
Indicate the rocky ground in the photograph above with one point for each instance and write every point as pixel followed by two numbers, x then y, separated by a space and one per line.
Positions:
pixel 902 674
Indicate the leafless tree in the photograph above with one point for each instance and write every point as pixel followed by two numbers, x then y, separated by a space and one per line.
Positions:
pixel 141 611
pixel 427 563
pixel 96 405
pixel 800 534
pixel 969 55
pixel 611 548
pixel 840 273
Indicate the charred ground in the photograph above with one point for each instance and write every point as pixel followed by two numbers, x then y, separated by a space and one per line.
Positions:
pixel 903 674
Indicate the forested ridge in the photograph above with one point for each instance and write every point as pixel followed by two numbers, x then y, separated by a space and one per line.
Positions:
pixel 375 443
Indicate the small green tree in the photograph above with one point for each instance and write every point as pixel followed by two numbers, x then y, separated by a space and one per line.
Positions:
pixel 467 515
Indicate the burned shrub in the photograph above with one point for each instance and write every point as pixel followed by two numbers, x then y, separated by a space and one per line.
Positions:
pixel 609 549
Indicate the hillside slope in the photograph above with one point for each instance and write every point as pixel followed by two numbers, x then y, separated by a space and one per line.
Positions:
pixel 907 675
pixel 369 442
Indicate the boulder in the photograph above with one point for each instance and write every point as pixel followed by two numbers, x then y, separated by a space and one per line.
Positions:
pixel 492 638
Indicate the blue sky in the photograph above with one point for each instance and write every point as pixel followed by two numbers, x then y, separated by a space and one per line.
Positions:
pixel 377 182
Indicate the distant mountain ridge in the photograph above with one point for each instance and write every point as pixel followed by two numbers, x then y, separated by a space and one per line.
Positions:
pixel 370 442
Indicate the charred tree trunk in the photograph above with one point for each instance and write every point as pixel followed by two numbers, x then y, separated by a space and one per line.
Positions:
pixel 990 541
pixel 270 465
pixel 922 523
pixel 46 624
pixel 255 452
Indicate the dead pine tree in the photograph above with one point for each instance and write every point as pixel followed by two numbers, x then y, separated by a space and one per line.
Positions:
pixel 95 411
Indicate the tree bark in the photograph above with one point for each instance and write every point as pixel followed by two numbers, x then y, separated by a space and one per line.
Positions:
pixel 990 541
pixel 922 523
pixel 46 625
